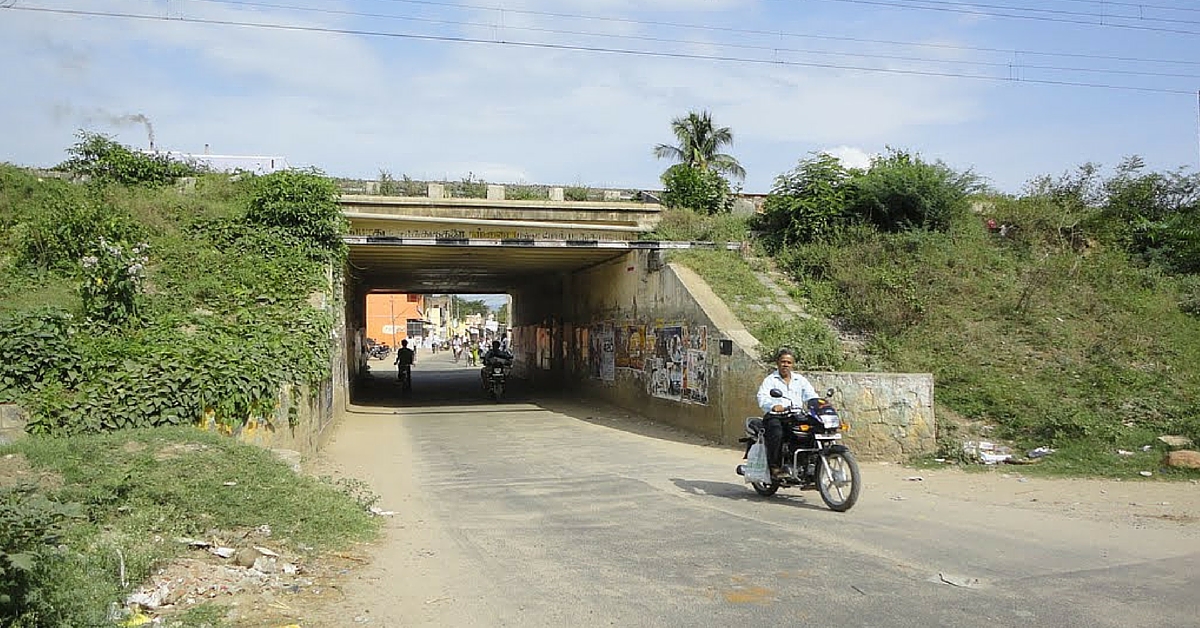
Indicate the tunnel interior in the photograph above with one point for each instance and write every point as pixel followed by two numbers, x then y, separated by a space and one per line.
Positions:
pixel 536 278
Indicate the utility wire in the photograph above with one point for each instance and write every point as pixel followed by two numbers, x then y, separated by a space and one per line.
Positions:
pixel 965 9
pixel 973 8
pixel 580 48
pixel 775 49
pixel 751 31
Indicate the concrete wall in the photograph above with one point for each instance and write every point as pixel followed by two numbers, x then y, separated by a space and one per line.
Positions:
pixel 891 415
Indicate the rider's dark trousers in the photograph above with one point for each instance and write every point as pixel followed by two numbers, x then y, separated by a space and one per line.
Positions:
pixel 773 429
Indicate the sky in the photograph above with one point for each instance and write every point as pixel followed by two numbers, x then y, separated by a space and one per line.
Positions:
pixel 578 92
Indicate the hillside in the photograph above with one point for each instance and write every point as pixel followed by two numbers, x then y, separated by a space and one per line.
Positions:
pixel 1041 321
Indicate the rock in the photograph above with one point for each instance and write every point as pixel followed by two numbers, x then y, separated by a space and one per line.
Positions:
pixel 245 557
pixel 1185 459
pixel 1176 442
pixel 266 564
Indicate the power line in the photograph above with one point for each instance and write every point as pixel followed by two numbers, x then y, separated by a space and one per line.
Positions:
pixel 751 31
pixel 974 6
pixel 953 7
pixel 774 49
pixel 580 48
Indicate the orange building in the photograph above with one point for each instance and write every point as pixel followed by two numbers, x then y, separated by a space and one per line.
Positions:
pixel 394 317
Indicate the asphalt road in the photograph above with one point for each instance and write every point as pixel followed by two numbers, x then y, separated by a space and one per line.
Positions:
pixel 542 511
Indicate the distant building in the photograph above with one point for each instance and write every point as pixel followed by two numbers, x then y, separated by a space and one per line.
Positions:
pixel 395 317
pixel 258 164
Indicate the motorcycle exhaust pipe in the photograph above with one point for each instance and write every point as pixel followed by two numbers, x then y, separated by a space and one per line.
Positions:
pixel 741 469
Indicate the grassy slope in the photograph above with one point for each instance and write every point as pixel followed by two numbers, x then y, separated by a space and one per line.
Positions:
pixel 1079 350
pixel 202 298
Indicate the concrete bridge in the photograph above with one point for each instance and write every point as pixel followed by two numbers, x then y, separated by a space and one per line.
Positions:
pixel 597 310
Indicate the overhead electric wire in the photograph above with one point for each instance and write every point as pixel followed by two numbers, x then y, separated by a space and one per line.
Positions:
pixel 1008 65
pixel 970 7
pixel 779 33
pixel 1137 5
pixel 580 48
pixel 776 49
pixel 963 9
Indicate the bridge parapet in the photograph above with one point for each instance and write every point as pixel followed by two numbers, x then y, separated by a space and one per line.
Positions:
pixel 499 218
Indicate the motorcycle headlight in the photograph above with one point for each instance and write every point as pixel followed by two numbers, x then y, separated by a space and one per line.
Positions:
pixel 830 421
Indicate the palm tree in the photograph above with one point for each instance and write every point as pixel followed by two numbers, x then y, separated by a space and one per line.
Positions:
pixel 699 142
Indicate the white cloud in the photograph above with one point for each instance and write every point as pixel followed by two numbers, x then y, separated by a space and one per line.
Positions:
pixel 850 156
pixel 355 104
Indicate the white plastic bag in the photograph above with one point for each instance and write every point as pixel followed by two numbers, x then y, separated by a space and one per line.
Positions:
pixel 755 469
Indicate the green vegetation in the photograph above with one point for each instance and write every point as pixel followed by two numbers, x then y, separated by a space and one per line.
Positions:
pixel 129 302
pixel 696 182
pixel 142 305
pixel 1064 317
pixel 127 496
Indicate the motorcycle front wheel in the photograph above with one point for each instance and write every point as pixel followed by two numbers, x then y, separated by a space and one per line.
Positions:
pixel 764 489
pixel 838 480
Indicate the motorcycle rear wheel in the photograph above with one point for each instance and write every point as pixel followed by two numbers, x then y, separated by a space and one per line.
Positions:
pixel 838 480
pixel 764 489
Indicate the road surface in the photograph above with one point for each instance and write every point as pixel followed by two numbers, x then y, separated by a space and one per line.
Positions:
pixel 551 512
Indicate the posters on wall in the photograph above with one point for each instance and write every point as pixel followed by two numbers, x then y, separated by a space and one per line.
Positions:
pixel 671 358
pixel 543 348
pixel 608 353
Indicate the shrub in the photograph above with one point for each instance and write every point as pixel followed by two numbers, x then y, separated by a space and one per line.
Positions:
pixel 64 231
pixel 807 203
pixel 900 191
pixel 577 193
pixel 304 204
pixel 36 349
pixel 703 191
pixel 102 159
pixel 30 526
pixel 112 282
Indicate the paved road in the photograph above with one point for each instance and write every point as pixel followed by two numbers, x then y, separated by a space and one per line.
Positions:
pixel 541 512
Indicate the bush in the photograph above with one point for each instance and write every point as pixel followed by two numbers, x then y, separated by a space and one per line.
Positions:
pixel 64 231
pixel 703 191
pixel 36 349
pixel 304 204
pixel 807 203
pixel 900 191
pixel 102 159
pixel 30 527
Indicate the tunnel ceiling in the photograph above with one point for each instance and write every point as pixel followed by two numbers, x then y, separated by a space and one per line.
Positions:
pixel 470 267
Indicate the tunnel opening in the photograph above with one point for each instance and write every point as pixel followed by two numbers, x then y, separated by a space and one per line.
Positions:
pixel 396 289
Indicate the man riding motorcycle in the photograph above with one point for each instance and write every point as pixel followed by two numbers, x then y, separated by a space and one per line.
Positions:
pixel 796 389
pixel 495 356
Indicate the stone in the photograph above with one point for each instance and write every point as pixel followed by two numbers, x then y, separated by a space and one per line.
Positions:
pixel 437 190
pixel 1176 442
pixel 495 192
pixel 246 557
pixel 556 194
pixel 1184 459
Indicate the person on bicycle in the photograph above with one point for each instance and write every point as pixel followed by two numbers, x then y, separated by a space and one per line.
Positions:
pixel 405 358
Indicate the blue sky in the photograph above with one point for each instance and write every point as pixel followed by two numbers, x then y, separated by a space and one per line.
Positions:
pixel 789 77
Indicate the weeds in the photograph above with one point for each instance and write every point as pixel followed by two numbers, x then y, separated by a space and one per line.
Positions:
pixel 140 488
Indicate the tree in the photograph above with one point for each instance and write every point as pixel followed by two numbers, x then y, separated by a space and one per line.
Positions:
pixel 808 202
pixel 699 143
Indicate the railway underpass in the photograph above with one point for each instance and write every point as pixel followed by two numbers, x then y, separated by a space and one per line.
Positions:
pixel 595 312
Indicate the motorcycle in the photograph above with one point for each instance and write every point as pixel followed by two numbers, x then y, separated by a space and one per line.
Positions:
pixel 813 455
pixel 496 374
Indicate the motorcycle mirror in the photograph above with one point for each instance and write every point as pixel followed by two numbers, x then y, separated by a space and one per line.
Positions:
pixel 829 393
pixel 775 392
